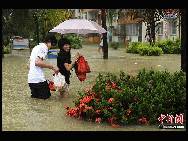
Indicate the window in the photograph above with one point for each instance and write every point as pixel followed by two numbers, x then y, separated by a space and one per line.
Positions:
pixel 122 30
pixel 131 29
pixel 160 28
pixel 173 27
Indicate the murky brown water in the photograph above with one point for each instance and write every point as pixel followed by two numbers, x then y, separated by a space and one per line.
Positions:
pixel 22 113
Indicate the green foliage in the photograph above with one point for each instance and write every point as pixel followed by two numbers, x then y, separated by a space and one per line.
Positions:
pixel 150 51
pixel 126 99
pixel 144 49
pixel 6 26
pixel 163 46
pixel 21 22
pixel 6 49
pixel 133 47
pixel 169 46
pixel 49 18
pixel 76 41
pixel 24 22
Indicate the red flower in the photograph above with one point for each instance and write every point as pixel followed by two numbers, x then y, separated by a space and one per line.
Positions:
pixel 110 100
pixel 110 120
pixel 142 120
pixel 86 99
pixel 110 108
pixel 98 111
pixel 82 105
pixel 73 112
pixel 114 85
pixel 98 120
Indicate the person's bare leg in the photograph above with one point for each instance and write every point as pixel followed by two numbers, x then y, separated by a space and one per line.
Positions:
pixel 99 49
pixel 66 90
pixel 61 91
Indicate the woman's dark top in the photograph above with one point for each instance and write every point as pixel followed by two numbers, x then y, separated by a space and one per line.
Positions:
pixel 62 58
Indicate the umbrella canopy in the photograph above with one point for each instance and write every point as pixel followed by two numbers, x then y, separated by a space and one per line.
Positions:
pixel 78 26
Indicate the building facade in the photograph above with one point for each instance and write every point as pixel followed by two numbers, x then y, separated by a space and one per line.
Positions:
pixel 125 29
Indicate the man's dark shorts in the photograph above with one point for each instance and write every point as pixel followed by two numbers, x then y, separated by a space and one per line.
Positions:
pixel 40 90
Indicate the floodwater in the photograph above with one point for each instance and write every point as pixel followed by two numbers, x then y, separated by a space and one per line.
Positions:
pixel 22 113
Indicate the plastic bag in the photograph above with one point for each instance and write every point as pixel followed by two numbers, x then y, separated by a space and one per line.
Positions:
pixel 81 76
pixel 59 81
pixel 81 68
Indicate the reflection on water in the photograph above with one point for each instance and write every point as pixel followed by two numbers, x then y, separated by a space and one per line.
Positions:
pixel 20 112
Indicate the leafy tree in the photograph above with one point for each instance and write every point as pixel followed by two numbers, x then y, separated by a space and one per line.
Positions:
pixel 22 22
pixel 49 18
pixel 148 16
pixel 6 26
pixel 31 23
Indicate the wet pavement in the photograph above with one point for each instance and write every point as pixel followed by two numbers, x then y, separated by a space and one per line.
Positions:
pixel 22 113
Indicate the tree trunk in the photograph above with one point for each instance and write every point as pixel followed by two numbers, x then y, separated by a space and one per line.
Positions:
pixel 152 28
pixel 105 43
pixel 183 40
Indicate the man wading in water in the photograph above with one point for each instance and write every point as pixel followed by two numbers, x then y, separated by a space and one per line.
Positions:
pixel 36 79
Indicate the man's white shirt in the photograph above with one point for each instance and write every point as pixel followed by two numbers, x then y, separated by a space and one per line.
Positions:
pixel 36 74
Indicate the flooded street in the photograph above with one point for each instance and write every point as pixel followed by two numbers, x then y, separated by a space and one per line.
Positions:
pixel 22 113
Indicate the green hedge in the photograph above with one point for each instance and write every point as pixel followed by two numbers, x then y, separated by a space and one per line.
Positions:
pixel 144 49
pixel 123 99
pixel 150 51
pixel 163 46
pixel 134 47
pixel 169 46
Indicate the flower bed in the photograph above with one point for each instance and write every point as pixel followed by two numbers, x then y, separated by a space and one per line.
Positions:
pixel 125 99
